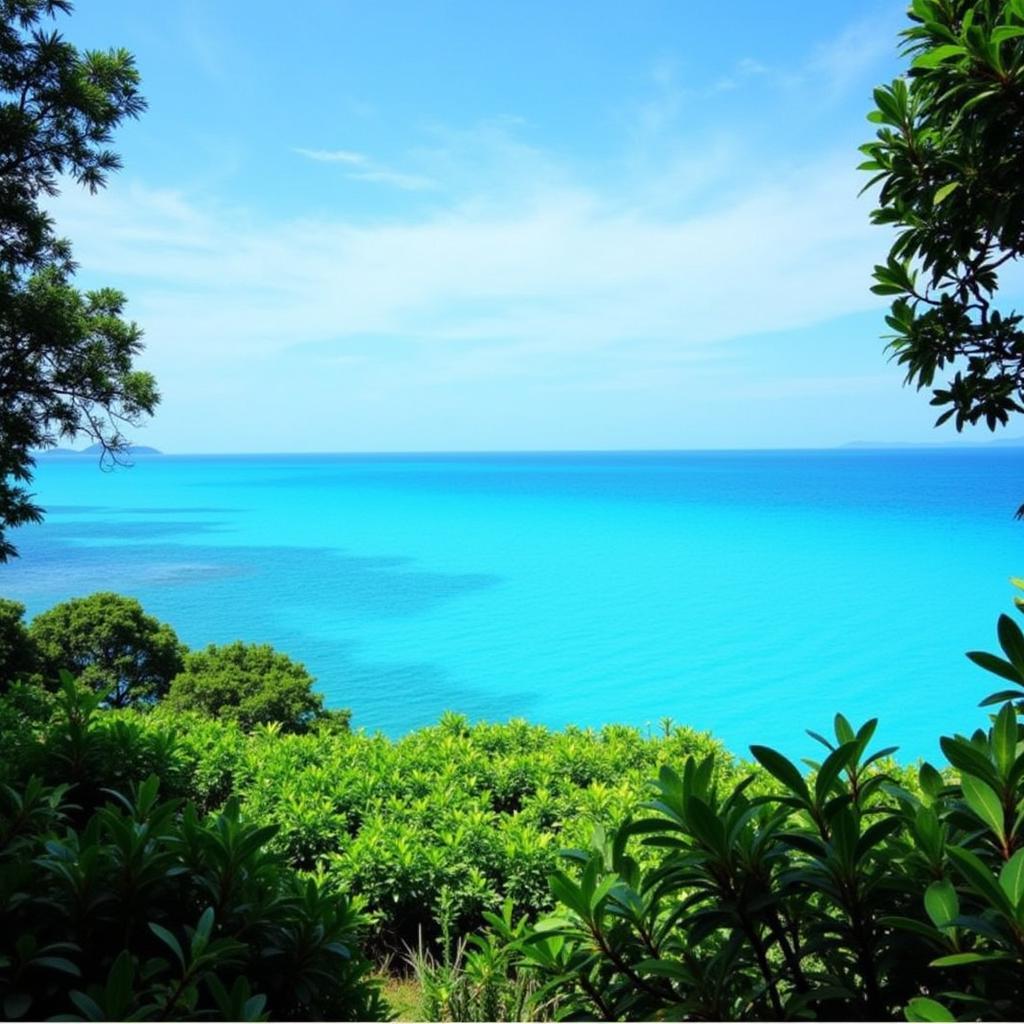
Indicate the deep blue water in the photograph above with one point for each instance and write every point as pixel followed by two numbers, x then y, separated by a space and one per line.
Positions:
pixel 750 593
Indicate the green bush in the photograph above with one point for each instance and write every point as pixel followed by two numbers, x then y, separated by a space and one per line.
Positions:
pixel 17 655
pixel 438 826
pixel 110 644
pixel 251 684
pixel 842 895
pixel 122 905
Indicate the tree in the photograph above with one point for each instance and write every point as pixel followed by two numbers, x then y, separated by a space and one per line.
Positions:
pixel 17 657
pixel 66 357
pixel 949 160
pixel 111 644
pixel 251 684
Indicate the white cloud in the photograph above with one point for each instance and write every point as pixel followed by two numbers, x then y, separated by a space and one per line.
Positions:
pixel 333 156
pixel 523 292
pixel 563 270
pixel 409 182
pixel 365 169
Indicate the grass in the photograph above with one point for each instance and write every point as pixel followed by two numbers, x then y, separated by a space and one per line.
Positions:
pixel 404 996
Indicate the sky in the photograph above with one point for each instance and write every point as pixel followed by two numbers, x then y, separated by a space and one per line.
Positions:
pixel 398 226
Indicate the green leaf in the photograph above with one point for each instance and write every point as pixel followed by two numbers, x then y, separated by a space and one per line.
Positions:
pixel 91 1010
pixel 985 803
pixel 921 1008
pixel 981 880
pixel 938 55
pixel 1001 698
pixel 205 925
pixel 568 894
pixel 909 924
pixel 1011 878
pixel 706 825
pixel 944 191
pixel 169 940
pixel 830 769
pixel 1004 32
pixel 959 959
pixel 1004 739
pixel 941 903
pixel 969 760
pixel 1011 639
pixel 930 780
pixel 58 963
pixel 783 769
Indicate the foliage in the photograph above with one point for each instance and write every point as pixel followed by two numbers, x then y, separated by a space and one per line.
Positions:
pixel 110 644
pixel 122 905
pixel 477 980
pixel 948 156
pixel 430 830
pixel 841 895
pixel 251 684
pixel 17 657
pixel 66 357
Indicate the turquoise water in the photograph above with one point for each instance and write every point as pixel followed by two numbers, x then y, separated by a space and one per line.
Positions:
pixel 752 594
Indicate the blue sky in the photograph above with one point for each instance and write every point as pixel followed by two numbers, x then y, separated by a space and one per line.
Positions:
pixel 464 225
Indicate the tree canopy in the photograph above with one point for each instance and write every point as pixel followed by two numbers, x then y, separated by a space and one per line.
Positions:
pixel 948 158
pixel 111 645
pixel 66 356
pixel 251 684
pixel 16 654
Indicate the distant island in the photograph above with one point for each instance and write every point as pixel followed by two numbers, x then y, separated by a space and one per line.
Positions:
pixel 97 449
pixel 999 442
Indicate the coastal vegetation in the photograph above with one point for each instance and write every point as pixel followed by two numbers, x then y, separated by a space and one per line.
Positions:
pixel 191 834
pixel 606 874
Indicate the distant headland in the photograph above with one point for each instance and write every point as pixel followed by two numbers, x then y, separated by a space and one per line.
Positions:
pixel 97 449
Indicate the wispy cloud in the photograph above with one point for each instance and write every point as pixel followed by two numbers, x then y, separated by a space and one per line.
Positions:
pixel 333 156
pixel 843 62
pixel 564 269
pixel 366 169
pixel 526 287
pixel 745 69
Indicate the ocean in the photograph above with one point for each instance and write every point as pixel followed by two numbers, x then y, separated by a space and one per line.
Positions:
pixel 752 594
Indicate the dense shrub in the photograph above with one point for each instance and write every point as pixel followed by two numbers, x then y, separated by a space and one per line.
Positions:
pixel 431 829
pixel 251 684
pixel 843 895
pixel 109 643
pixel 124 905
pixel 17 656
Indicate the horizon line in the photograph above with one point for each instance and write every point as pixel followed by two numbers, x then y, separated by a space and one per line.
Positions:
pixel 844 446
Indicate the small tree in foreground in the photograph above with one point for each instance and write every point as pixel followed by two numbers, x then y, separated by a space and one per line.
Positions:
pixel 949 160
pixel 251 684
pixel 111 644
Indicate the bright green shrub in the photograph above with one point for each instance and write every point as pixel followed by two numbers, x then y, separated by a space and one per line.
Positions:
pixel 251 684
pixel 111 645
pixel 118 906
pixel 432 829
